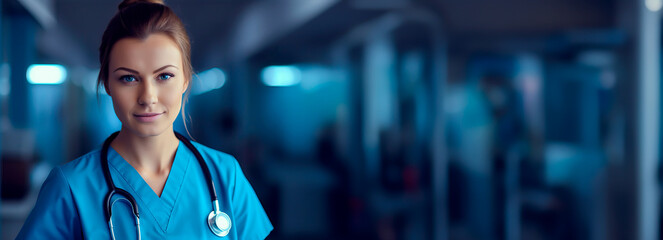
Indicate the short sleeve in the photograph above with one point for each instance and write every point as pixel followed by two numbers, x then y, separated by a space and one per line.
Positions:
pixel 54 215
pixel 251 221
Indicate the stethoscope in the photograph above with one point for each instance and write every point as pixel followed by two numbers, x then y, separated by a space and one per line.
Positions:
pixel 219 222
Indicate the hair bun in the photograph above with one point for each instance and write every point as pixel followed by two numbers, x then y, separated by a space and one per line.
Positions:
pixel 127 3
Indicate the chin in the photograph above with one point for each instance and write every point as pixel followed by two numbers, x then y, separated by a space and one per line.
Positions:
pixel 147 131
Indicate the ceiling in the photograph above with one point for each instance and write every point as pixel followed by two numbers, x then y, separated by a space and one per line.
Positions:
pixel 206 20
pixel 226 30
pixel 471 17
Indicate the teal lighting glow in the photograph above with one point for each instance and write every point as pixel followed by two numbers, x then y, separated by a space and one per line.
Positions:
pixel 5 84
pixel 46 74
pixel 654 5
pixel 281 76
pixel 208 80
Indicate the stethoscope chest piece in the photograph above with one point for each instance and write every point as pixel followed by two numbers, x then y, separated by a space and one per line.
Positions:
pixel 219 223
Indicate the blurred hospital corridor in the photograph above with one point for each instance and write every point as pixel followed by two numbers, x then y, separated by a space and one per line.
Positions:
pixel 375 119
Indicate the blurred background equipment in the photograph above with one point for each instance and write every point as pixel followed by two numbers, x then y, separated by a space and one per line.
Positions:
pixel 376 119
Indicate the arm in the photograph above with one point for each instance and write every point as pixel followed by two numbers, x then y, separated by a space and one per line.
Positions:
pixel 55 215
pixel 251 221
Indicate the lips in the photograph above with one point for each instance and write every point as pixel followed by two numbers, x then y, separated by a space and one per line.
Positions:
pixel 148 117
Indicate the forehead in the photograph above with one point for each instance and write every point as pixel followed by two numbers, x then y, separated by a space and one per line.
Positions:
pixel 147 54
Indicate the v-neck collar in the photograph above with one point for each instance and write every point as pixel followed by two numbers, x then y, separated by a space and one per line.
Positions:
pixel 160 208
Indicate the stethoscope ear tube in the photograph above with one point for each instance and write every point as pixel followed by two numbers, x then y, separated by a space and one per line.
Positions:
pixel 110 221
pixel 217 221
pixel 208 176
pixel 106 171
pixel 122 192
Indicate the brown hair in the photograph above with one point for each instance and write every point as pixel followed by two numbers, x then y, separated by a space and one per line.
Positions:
pixel 139 19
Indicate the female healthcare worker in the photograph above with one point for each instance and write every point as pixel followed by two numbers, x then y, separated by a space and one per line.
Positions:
pixel 147 182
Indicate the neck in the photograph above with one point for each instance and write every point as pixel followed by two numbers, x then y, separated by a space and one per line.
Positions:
pixel 151 154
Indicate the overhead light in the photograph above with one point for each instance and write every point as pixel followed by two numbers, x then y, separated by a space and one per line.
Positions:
pixel 654 5
pixel 281 76
pixel 46 74
pixel 5 85
pixel 208 80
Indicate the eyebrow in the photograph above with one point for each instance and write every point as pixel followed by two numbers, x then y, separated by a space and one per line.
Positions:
pixel 136 72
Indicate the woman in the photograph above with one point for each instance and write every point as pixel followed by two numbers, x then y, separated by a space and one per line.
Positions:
pixel 147 181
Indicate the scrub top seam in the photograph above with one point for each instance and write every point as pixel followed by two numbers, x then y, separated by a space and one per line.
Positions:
pixel 231 203
pixel 136 195
pixel 121 175
pixel 177 195
pixel 176 172
pixel 73 200
pixel 264 233
pixel 234 183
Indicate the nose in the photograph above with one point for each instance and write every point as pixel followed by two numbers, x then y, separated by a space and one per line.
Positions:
pixel 148 94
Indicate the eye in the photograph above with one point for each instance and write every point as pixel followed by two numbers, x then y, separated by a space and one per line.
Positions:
pixel 165 76
pixel 128 78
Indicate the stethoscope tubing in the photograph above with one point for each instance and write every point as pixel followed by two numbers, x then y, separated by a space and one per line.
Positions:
pixel 208 176
pixel 115 190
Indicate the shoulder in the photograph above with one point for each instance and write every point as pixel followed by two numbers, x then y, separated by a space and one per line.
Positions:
pixel 84 167
pixel 216 157
pixel 221 164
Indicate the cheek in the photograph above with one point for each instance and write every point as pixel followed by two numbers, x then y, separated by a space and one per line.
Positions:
pixel 120 102
pixel 122 97
pixel 172 98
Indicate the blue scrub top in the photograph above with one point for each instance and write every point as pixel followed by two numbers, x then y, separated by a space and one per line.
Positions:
pixel 71 201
